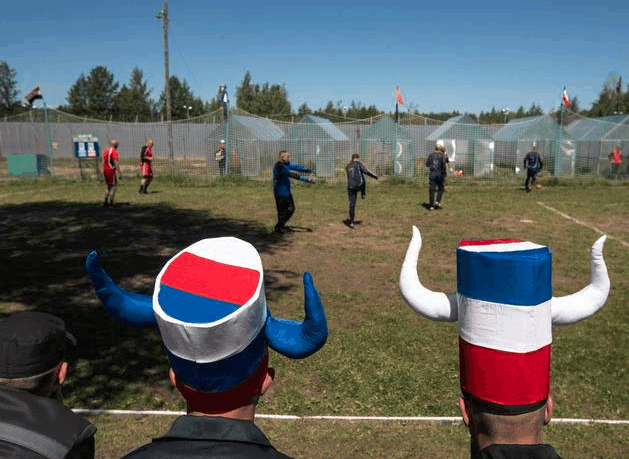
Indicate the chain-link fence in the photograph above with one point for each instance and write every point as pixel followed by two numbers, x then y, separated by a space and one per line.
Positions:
pixel 44 142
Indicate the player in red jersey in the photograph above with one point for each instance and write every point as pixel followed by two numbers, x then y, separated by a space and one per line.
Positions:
pixel 111 171
pixel 146 157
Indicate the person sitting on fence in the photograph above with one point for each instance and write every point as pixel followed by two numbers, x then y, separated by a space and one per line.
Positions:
pixel 211 311
pixel 505 312
pixel 146 159
pixel 33 367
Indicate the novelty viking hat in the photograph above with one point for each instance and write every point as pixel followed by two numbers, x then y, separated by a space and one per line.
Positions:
pixel 505 310
pixel 211 311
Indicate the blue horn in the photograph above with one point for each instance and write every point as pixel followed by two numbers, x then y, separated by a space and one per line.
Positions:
pixel 134 309
pixel 298 340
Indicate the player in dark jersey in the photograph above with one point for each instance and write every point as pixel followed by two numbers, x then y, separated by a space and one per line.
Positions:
pixel 356 172
pixel 437 162
pixel 532 164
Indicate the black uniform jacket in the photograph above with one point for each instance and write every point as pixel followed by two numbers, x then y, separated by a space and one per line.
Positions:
pixel 209 437
pixel 518 452
pixel 38 427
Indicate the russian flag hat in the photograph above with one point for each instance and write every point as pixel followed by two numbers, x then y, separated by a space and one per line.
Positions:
pixel 210 308
pixel 505 312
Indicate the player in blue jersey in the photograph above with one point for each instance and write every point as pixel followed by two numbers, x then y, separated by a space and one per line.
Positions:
pixel 283 171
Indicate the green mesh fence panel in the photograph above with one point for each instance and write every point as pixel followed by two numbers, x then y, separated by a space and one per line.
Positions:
pixel 477 151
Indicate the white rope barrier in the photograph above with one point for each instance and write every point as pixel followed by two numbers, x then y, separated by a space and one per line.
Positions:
pixel 287 417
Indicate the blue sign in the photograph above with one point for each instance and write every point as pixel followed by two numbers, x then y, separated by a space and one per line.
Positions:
pixel 86 146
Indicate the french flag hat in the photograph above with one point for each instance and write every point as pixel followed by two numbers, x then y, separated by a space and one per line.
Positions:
pixel 505 312
pixel 211 311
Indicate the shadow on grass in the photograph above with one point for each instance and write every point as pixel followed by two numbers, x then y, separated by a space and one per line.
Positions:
pixel 42 248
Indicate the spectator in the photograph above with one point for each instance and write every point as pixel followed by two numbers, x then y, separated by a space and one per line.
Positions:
pixel 211 311
pixel 33 368
pixel 506 311
pixel 533 164
pixel 356 172
pixel 283 171
pixel 615 158
pixel 221 157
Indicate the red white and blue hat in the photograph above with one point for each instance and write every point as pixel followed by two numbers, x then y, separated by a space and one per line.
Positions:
pixel 210 307
pixel 505 311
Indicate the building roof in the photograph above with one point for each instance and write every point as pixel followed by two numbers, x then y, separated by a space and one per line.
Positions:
pixel 458 127
pixel 533 127
pixel 261 128
pixel 315 127
pixel 385 129
pixel 603 128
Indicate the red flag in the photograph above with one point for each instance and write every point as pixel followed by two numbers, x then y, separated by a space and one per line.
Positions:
pixel 398 96
pixel 564 97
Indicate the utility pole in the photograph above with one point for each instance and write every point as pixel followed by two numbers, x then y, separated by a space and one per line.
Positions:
pixel 163 15
pixel 618 90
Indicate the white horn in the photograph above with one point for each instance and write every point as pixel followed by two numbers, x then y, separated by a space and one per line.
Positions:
pixel 432 305
pixel 581 305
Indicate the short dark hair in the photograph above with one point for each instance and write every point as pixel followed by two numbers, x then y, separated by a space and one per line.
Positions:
pixel 355 156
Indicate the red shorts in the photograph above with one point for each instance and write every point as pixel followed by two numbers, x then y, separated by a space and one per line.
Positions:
pixel 110 177
pixel 147 172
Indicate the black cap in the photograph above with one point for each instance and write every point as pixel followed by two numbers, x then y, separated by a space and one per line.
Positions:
pixel 32 343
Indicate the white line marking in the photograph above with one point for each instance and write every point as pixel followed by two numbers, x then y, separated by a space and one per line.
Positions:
pixel 583 224
pixel 287 417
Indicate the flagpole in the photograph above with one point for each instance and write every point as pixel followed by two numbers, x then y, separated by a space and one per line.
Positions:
pixel 558 152
pixel 396 112
pixel 48 136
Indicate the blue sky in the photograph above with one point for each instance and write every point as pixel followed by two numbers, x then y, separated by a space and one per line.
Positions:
pixel 457 55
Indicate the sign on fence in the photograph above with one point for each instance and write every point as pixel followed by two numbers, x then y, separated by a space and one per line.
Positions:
pixel 86 146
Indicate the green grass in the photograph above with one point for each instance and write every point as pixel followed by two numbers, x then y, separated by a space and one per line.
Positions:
pixel 381 359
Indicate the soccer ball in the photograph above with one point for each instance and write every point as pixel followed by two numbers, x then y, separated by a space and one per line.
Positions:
pixel 538 186
pixel 458 173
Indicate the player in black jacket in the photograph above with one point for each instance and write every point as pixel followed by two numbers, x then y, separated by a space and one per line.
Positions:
pixel 356 172
pixel 437 162
pixel 533 164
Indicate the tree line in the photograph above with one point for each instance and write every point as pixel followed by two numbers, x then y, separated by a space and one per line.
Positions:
pixel 98 95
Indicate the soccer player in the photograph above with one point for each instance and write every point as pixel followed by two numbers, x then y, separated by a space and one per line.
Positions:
pixel 437 162
pixel 533 164
pixel 282 173
pixel 356 172
pixel 146 158
pixel 111 172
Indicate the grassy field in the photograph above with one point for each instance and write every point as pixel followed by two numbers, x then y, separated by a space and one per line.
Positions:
pixel 380 359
